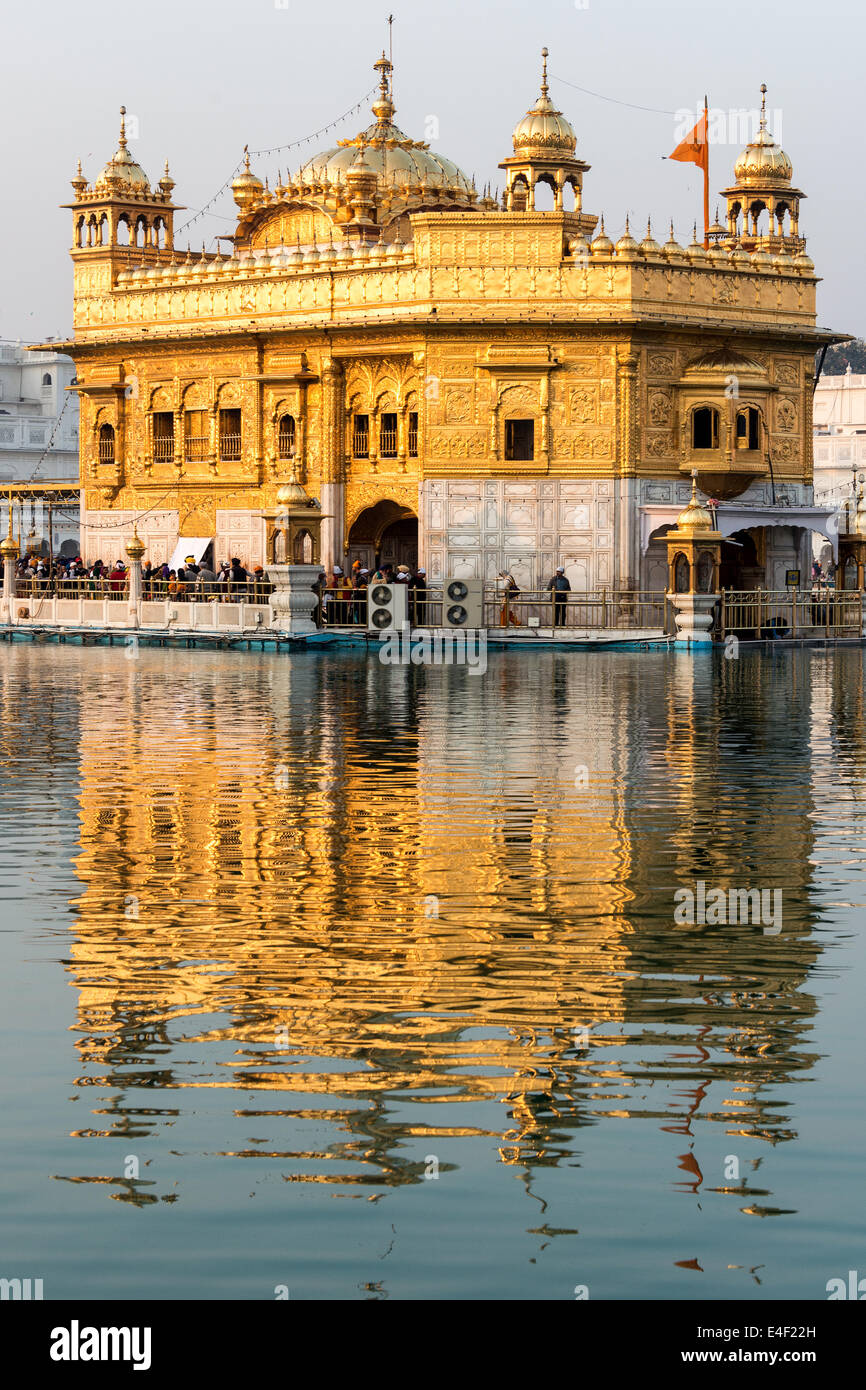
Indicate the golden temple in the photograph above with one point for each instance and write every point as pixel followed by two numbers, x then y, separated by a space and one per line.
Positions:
pixel 470 383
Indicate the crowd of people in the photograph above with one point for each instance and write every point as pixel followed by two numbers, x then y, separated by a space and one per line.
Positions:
pixel 342 596
pixel 192 580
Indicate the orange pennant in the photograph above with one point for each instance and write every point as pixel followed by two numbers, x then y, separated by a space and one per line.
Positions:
pixel 695 148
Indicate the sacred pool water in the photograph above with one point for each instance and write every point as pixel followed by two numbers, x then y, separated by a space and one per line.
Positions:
pixel 331 979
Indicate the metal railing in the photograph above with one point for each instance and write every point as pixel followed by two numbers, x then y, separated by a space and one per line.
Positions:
pixel 72 588
pixel 195 447
pixel 602 610
pixel 776 613
pixel 605 610
pixel 163 449
pixel 230 447
pixel 248 591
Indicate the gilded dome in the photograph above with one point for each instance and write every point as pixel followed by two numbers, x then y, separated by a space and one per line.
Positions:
pixel 293 494
pixel 122 168
pixel 247 186
pixel 544 130
pixel 601 244
pixel 763 161
pixel 694 517
pixel 396 160
pixel 627 246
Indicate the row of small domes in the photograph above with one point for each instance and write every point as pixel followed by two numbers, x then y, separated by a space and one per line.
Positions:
pixel 732 253
pixel 342 253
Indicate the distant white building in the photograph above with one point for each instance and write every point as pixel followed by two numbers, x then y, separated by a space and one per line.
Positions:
pixel 839 426
pixel 39 448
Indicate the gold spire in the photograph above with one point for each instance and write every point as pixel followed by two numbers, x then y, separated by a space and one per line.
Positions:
pixel 383 107
pixel 544 72
pixel 122 140
pixel 695 517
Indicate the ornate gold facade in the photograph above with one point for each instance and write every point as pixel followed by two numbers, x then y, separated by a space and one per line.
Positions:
pixel 523 388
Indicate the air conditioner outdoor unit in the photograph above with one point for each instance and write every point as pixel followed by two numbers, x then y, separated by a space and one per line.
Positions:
pixel 387 607
pixel 463 603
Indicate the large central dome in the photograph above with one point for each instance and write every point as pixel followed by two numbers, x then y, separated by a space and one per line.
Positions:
pixel 396 160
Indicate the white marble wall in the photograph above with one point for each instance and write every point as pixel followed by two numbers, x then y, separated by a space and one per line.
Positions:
pixel 526 525
pixel 240 533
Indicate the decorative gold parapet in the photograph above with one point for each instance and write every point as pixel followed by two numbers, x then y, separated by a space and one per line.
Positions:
pixel 458 265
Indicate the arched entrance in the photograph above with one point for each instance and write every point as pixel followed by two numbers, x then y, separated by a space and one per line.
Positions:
pixel 383 534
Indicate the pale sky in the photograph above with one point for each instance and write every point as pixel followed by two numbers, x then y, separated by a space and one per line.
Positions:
pixel 202 79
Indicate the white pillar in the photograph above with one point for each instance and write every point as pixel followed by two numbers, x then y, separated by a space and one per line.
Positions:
pixel 693 614
pixel 293 601
pixel 134 550
pixel 333 500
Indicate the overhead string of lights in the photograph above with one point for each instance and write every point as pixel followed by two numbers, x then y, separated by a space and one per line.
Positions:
pixel 615 101
pixel 275 149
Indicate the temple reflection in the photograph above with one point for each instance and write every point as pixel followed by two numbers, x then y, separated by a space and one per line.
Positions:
pixel 356 897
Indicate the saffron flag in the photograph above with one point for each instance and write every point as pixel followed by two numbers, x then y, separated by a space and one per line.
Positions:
pixel 695 149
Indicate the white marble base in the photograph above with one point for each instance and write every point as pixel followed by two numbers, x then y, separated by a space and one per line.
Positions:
pixel 693 614
pixel 293 601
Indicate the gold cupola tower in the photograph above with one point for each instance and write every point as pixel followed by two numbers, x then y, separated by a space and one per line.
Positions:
pixel 544 152
pixel 121 211
pixel 763 177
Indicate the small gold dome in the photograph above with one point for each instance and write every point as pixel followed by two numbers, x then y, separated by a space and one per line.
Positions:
pixel 292 494
pixel 247 187
pixel 601 245
pixel 672 248
pixel 696 251
pixel 9 546
pixel 134 547
pixel 544 130
pixel 122 168
pixel 695 517
pixel 763 161
pixel 649 246
pixel 627 246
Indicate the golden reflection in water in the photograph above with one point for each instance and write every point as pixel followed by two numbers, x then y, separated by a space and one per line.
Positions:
pixel 374 885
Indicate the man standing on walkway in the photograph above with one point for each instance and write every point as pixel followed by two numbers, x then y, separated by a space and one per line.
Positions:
pixel 560 586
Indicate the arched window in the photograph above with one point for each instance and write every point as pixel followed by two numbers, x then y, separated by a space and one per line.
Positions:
pixel 388 434
pixel 706 571
pixel 123 237
pixel 106 444
pixel 46 379
pixel 681 575
pixel 545 194
pixel 286 437
pixel 748 428
pixel 303 548
pixel 705 428
pixel 520 439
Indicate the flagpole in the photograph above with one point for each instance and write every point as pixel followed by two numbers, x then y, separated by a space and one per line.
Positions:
pixel 706 176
